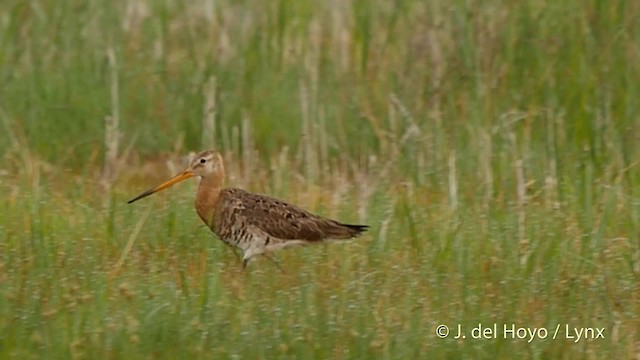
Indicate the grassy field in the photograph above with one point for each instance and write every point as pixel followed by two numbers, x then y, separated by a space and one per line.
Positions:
pixel 492 147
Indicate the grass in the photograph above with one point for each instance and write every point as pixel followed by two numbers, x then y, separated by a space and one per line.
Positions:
pixel 490 145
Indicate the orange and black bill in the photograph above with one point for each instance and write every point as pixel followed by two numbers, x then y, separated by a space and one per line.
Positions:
pixel 174 180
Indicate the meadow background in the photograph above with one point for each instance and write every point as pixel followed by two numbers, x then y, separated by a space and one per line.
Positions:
pixel 491 145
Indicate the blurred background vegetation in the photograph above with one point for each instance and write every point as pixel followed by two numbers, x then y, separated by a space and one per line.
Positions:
pixel 492 145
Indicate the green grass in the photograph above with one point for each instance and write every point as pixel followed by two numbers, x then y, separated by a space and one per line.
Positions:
pixel 492 146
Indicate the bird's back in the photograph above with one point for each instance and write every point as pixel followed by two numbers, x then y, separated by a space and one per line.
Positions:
pixel 238 212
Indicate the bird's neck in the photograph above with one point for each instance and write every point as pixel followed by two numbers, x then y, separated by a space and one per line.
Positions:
pixel 207 197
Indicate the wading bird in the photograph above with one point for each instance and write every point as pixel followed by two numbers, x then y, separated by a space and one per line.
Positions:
pixel 256 224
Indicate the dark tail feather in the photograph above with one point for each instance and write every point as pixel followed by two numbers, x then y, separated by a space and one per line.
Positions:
pixel 357 229
pixel 347 231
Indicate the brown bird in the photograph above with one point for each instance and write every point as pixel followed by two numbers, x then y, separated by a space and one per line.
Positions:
pixel 256 224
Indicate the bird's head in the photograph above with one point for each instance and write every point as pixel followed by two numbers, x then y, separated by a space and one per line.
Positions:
pixel 205 165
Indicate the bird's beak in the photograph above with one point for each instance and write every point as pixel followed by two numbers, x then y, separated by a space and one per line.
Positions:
pixel 174 180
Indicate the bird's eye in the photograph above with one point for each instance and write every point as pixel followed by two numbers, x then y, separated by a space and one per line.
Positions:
pixel 202 161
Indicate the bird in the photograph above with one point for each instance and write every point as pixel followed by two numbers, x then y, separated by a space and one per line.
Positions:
pixel 256 224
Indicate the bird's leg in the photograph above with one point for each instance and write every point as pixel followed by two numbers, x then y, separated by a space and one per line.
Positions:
pixel 248 254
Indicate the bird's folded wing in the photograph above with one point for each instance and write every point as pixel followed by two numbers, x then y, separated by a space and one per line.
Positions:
pixel 280 219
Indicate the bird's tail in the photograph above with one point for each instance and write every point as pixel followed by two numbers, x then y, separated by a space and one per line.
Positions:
pixel 346 231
